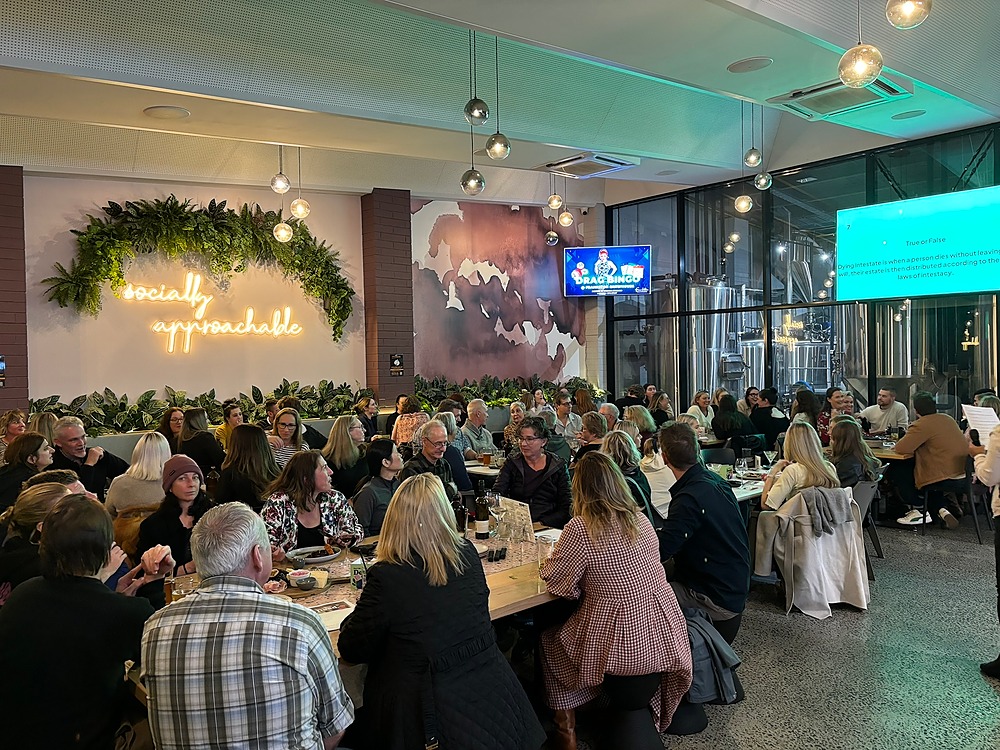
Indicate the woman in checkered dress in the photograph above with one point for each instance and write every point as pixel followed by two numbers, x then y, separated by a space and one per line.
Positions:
pixel 628 621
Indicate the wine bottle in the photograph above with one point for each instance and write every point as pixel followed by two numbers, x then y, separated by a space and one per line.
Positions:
pixel 461 514
pixel 482 512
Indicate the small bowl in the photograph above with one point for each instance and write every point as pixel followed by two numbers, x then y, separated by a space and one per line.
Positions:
pixel 306 583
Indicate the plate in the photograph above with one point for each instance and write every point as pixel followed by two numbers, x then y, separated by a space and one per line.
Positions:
pixel 309 556
pixel 482 549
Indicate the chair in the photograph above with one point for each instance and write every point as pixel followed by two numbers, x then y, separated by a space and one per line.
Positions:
pixel 961 487
pixel 628 720
pixel 864 493
pixel 754 443
pixel 718 456
pixel 817 570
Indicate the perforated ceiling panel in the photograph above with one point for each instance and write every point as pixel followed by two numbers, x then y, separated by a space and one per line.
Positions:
pixel 956 48
pixel 347 57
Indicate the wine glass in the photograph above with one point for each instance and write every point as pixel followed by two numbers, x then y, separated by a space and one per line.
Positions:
pixel 498 509
pixel 770 456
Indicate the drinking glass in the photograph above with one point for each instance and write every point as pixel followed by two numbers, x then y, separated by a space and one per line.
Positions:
pixel 544 547
pixel 770 456
pixel 487 458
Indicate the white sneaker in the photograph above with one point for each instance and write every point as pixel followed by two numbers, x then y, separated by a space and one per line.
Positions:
pixel 948 517
pixel 914 518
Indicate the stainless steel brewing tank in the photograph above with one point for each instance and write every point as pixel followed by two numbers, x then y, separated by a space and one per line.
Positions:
pixel 710 335
pixel 753 356
pixel 808 361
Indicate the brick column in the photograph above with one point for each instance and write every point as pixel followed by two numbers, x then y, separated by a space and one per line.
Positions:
pixel 13 300
pixel 388 258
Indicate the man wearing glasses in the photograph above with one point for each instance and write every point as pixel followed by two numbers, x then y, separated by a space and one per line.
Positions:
pixel 433 439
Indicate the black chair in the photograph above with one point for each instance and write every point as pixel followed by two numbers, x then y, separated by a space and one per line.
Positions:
pixel 754 443
pixel 864 493
pixel 718 456
pixel 961 487
pixel 629 722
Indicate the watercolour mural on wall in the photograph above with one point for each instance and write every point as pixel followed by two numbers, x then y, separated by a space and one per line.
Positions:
pixel 488 296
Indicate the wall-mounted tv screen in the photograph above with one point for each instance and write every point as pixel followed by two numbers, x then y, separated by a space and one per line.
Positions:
pixel 941 244
pixel 605 271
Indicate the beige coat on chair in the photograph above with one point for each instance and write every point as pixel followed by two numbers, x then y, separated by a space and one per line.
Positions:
pixel 818 571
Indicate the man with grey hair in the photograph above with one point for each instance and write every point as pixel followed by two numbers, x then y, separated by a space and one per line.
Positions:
pixel 432 439
pixel 95 466
pixel 610 413
pixel 475 427
pixel 230 666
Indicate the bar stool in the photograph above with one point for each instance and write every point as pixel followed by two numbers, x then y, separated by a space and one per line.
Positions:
pixel 629 722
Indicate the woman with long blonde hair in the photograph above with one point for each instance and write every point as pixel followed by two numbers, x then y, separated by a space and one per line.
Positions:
pixel 140 487
pixel 702 410
pixel 804 466
pixel 44 422
pixel 608 558
pixel 345 453
pixel 640 416
pixel 426 600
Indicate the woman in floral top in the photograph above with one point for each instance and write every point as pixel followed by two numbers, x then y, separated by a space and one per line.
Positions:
pixel 303 509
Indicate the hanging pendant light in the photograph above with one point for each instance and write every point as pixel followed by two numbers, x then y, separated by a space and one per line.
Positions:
pixel 744 202
pixel 299 207
pixel 473 182
pixel 477 112
pixel 279 183
pixel 282 232
pixel 861 64
pixel 907 14
pixel 566 217
pixel 753 157
pixel 555 200
pixel 763 181
pixel 728 247
pixel 551 238
pixel 734 237
pixel 497 145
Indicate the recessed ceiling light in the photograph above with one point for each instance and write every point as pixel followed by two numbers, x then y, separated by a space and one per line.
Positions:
pixel 165 112
pixel 909 115
pixel 749 65
pixel 667 172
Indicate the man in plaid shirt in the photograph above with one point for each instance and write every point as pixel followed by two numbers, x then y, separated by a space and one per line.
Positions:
pixel 230 666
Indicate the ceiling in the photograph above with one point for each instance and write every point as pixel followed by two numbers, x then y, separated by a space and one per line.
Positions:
pixel 375 91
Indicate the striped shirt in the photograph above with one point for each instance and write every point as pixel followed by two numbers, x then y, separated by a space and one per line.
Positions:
pixel 230 666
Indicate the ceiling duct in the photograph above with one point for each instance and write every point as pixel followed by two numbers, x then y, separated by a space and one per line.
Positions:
pixel 826 101
pixel 583 166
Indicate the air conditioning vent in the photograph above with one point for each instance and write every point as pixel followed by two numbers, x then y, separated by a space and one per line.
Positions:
pixel 584 166
pixel 827 101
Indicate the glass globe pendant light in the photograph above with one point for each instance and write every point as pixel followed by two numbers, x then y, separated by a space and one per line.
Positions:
pixel 762 181
pixel 299 207
pixel 555 201
pixel 743 203
pixel 907 14
pixel 497 145
pixel 566 218
pixel 473 182
pixel 728 247
pixel 753 157
pixel 551 238
pixel 734 237
pixel 280 183
pixel 476 112
pixel 282 232
pixel 861 64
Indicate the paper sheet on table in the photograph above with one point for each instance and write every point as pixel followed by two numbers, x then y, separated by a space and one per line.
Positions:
pixel 981 418
pixel 333 614
pixel 662 504
pixel 517 519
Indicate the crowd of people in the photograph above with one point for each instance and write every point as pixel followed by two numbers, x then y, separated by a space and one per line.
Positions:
pixel 650 539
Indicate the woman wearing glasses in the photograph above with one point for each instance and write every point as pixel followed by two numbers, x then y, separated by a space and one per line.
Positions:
pixel 170 426
pixel 536 477
pixel 286 436
pixel 344 452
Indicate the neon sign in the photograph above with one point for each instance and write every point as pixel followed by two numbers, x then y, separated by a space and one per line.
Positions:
pixel 788 327
pixel 280 323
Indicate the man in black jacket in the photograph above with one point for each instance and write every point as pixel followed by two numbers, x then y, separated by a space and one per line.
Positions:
pixel 433 438
pixel 95 466
pixel 704 534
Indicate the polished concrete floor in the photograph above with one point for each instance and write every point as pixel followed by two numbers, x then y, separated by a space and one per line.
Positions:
pixel 904 675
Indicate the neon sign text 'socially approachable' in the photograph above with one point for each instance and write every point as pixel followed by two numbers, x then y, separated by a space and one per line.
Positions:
pixel 280 323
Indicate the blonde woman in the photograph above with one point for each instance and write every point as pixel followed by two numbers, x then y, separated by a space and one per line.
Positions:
pixel 608 559
pixel 510 431
pixel 804 466
pixel 641 418
pixel 702 410
pixel 688 419
pixel 623 451
pixel 717 394
pixel 345 454
pixel 426 596
pixel 286 436
pixel 629 428
pixel 140 487
pixel 44 423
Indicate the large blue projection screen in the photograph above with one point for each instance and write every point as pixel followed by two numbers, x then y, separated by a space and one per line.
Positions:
pixel 942 244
